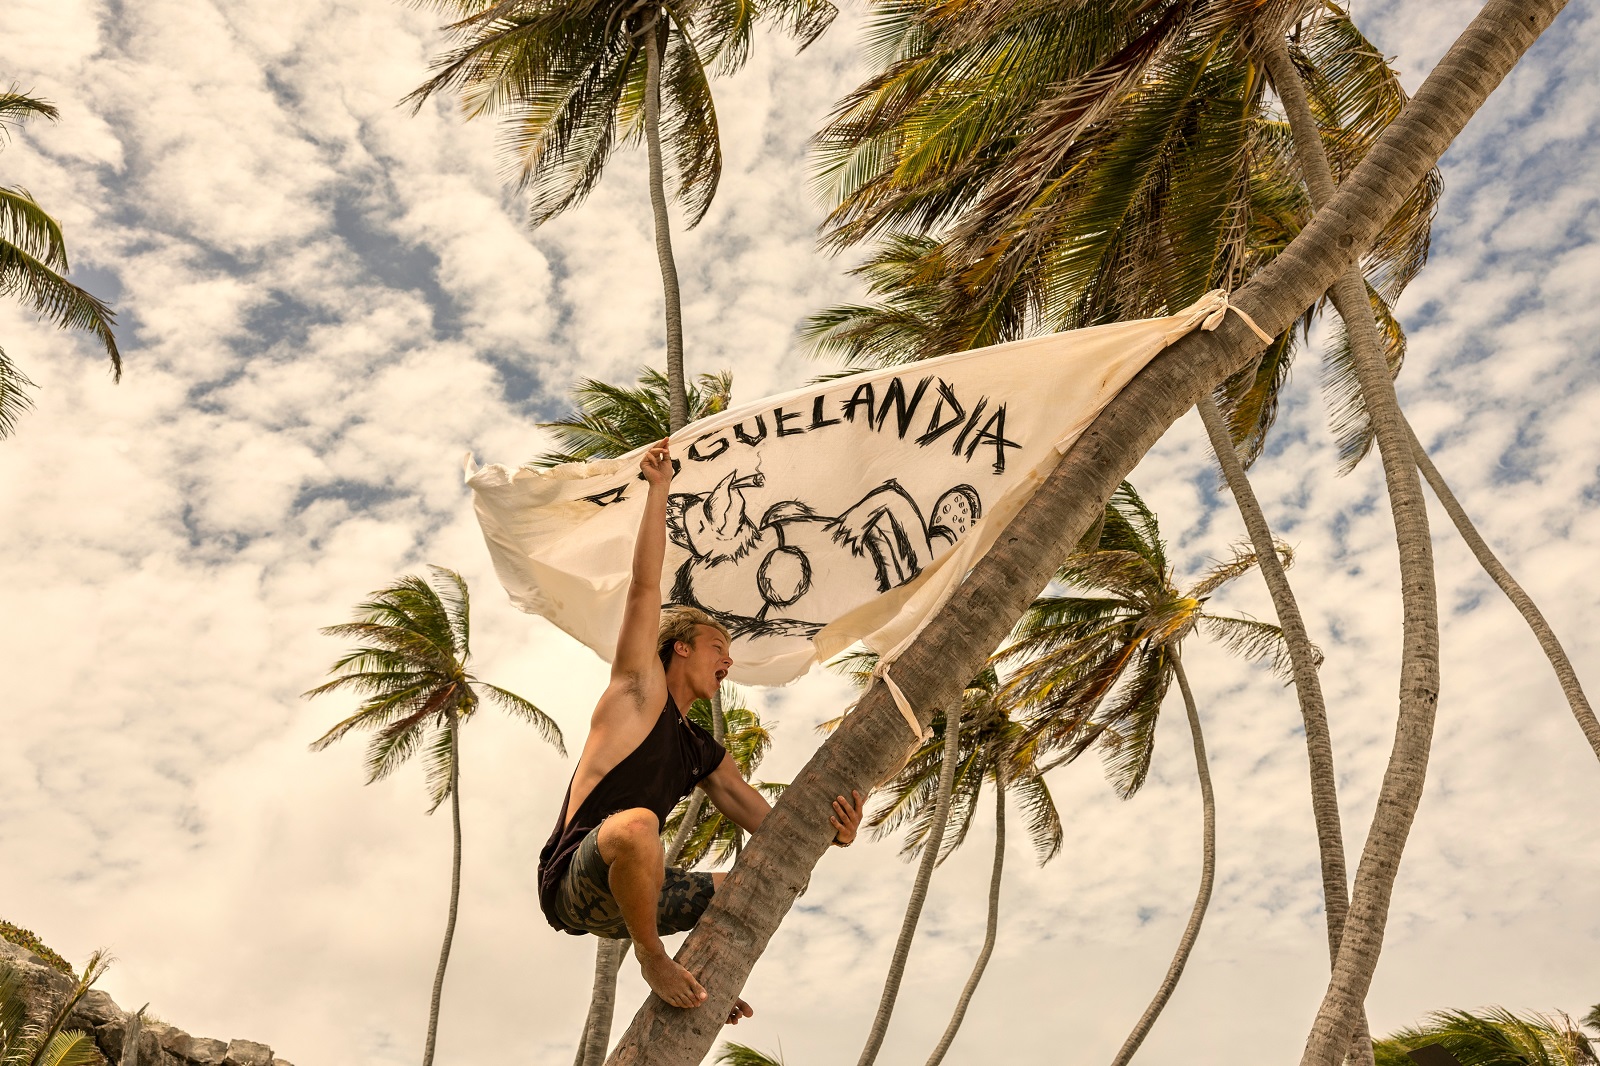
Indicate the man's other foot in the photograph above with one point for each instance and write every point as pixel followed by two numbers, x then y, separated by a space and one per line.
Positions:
pixel 670 981
pixel 740 1009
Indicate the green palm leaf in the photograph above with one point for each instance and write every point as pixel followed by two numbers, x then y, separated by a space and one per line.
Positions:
pixel 14 398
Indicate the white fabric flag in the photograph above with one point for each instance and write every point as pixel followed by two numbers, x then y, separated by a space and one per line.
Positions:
pixel 841 512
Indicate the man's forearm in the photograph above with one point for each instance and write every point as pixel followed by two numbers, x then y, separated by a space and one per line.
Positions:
pixel 650 546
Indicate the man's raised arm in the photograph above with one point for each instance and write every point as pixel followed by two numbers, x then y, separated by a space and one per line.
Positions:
pixel 636 643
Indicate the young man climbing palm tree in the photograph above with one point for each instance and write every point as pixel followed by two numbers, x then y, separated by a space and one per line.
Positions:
pixel 603 870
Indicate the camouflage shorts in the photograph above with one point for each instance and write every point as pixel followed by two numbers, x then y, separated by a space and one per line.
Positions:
pixel 584 900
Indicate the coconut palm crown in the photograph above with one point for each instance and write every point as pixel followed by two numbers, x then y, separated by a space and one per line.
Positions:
pixel 612 420
pixel 411 669
pixel 1492 1037
pixel 568 80
pixel 1093 670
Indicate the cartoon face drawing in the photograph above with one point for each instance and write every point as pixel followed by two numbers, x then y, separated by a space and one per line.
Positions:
pixel 778 575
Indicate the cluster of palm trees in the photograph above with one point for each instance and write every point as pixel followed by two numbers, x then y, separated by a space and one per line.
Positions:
pixel 1018 168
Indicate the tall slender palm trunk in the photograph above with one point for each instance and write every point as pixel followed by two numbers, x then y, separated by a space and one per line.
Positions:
pixel 872 741
pixel 455 887
pixel 1565 674
pixel 1308 692
pixel 1403 781
pixel 1208 873
pixel 932 844
pixel 610 953
pixel 655 43
pixel 991 924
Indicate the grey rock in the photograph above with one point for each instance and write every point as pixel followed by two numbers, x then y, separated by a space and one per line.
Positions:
pixel 200 1051
pixel 247 1053
pixel 281 1062
pixel 94 1010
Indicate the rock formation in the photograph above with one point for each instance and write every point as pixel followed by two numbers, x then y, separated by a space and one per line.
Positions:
pixel 157 1043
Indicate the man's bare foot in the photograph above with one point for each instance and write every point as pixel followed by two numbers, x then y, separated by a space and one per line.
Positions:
pixel 740 1009
pixel 670 981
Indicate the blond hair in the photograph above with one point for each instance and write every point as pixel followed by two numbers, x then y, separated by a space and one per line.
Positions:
pixel 679 623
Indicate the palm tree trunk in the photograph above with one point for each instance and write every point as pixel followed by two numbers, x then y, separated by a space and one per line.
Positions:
pixel 677 398
pixel 608 958
pixel 991 926
pixel 932 844
pixel 1403 780
pixel 455 888
pixel 1519 599
pixel 1208 871
pixel 871 743
pixel 1308 691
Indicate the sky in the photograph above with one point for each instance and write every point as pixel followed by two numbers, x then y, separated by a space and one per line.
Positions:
pixel 325 301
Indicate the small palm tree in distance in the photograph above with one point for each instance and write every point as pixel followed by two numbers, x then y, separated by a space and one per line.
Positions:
pixel 410 667
pixel 1092 671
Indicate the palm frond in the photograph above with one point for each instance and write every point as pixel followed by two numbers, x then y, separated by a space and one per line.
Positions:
pixel 439 764
pixel 451 591
pixel 1240 561
pixel 1347 411
pixel 1254 641
pixel 731 1054
pixel 18 107
pixel 25 224
pixel 14 398
pixel 57 300
pixel 515 704
pixel 612 420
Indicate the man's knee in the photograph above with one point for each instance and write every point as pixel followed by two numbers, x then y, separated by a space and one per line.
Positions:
pixel 633 833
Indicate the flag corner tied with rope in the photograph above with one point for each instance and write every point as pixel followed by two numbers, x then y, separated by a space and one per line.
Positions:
pixel 838 513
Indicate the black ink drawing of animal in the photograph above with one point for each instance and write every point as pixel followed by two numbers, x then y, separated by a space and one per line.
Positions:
pixel 794 566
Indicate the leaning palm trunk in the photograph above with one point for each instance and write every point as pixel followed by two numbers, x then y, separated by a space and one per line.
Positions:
pixel 1519 599
pixel 1208 872
pixel 932 845
pixel 1308 691
pixel 1401 792
pixel 655 42
pixel 991 926
pixel 872 742
pixel 610 953
pixel 455 888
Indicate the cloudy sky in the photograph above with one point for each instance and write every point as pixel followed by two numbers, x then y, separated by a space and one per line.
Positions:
pixel 325 301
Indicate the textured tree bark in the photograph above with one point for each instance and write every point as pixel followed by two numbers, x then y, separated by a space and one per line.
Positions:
pixel 1208 873
pixel 931 847
pixel 1401 791
pixel 455 888
pixel 1565 674
pixel 608 956
pixel 1308 691
pixel 991 925
pixel 873 740
pixel 677 397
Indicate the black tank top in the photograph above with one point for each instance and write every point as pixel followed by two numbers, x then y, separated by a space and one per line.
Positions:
pixel 669 762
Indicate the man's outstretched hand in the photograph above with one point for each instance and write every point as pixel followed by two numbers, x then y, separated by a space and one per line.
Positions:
pixel 846 819
pixel 656 464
